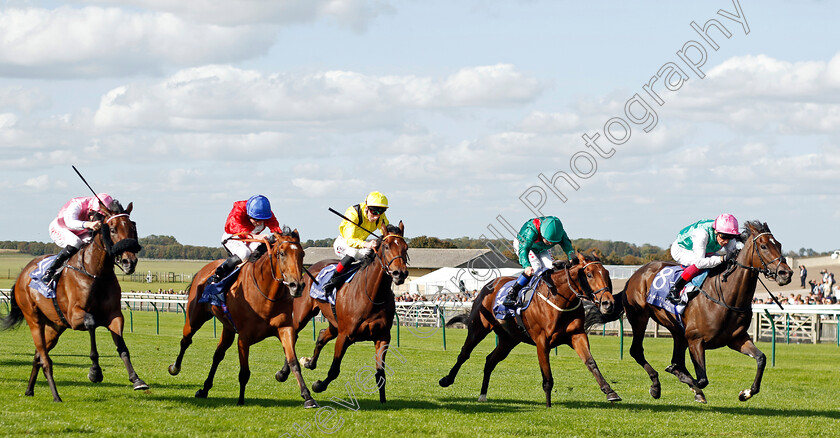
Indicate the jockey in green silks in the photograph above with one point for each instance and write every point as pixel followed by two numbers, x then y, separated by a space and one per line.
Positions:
pixel 533 247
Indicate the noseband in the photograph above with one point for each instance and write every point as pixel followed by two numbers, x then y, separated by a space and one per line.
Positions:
pixel 272 271
pixel 585 296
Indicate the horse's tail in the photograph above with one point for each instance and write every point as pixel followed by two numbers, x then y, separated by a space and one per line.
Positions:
pixel 15 316
pixel 594 315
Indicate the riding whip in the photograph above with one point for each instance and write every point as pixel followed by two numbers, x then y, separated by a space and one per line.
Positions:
pixel 88 185
pixel 363 228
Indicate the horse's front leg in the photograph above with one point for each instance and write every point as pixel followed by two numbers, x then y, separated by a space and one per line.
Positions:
pixel 288 337
pixel 381 349
pixel 116 329
pixel 342 342
pixel 746 346
pixel 580 342
pixel 95 373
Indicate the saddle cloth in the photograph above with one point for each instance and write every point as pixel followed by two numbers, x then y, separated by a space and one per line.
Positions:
pixel 214 293
pixel 35 283
pixel 526 295
pixel 316 291
pixel 661 286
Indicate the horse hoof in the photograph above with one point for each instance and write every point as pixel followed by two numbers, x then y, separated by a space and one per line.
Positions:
pixel 29 393
pixel 95 376
pixel 311 403
pixel 613 397
pixel 173 370
pixel 140 385
pixel 482 398
pixel 319 386
pixel 307 363
pixel 444 382
pixel 655 392
pixel 700 398
pixel 745 395
pixel 281 376
pixel 201 394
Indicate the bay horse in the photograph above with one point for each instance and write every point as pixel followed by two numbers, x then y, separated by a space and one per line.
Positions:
pixel 364 308
pixel 557 318
pixel 259 304
pixel 87 296
pixel 719 316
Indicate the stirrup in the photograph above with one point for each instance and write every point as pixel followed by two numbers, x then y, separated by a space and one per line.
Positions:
pixel 510 300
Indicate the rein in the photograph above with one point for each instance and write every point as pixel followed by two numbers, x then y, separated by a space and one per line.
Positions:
pixel 385 266
pixel 270 269
pixel 580 296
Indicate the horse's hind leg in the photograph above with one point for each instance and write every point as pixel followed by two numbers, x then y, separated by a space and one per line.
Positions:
pixel 580 342
pixel 506 344
pixel 116 329
pixel 194 322
pixel 225 341
pixel 45 338
pixel 288 337
pixel 637 351
pixel 95 373
pixel 746 346
pixel 476 333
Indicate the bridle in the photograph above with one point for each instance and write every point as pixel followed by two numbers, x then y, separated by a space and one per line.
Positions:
pixel 381 259
pixel 586 295
pixel 108 251
pixel 271 269
pixel 765 266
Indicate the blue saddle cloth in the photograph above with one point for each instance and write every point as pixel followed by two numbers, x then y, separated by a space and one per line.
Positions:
pixel 214 293
pixel 35 283
pixel 501 312
pixel 661 286
pixel 317 290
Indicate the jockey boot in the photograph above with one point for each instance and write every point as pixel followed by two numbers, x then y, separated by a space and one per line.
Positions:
pixel 62 257
pixel 225 269
pixel 513 293
pixel 676 288
pixel 338 278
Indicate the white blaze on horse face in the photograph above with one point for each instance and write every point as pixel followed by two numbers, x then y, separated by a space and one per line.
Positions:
pixel 293 246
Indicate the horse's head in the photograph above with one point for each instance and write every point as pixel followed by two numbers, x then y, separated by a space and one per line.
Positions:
pixel 587 279
pixel 286 258
pixel 122 231
pixel 763 253
pixel 393 252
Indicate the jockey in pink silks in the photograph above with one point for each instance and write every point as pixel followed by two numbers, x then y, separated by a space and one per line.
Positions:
pixel 73 228
pixel 698 247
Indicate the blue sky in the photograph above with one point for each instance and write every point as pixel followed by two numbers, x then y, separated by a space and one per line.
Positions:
pixel 453 109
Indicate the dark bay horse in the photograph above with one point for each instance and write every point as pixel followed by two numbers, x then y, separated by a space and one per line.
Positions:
pixel 717 317
pixel 87 296
pixel 555 317
pixel 364 308
pixel 260 305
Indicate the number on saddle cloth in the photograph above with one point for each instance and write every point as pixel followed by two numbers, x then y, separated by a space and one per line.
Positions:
pixel 214 293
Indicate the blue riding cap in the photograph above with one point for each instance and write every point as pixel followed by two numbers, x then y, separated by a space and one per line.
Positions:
pixel 258 207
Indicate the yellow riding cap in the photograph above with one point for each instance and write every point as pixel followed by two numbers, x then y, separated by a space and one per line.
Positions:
pixel 376 199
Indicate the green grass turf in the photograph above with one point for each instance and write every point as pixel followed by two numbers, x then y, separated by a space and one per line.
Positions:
pixel 798 397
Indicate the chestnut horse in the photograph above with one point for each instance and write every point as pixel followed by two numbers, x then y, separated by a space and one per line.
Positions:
pixel 260 305
pixel 556 318
pixel 87 296
pixel 717 317
pixel 364 308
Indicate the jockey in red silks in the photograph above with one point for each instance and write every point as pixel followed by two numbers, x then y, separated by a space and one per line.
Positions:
pixel 698 247
pixel 74 227
pixel 246 220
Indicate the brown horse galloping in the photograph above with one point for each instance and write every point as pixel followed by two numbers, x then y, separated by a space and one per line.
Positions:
pixel 87 296
pixel 260 305
pixel 364 308
pixel 720 316
pixel 556 318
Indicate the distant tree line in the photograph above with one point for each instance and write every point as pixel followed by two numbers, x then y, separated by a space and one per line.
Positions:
pixel 610 252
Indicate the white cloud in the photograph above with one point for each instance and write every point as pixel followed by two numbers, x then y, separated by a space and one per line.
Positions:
pixel 353 13
pixel 93 42
pixel 226 97
pixel 38 183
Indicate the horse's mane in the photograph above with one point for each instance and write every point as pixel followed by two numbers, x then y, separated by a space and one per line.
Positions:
pixel 563 264
pixel 393 229
pixel 758 226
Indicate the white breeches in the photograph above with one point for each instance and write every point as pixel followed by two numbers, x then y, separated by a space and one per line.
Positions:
pixel 343 249
pixel 541 260
pixel 687 257
pixel 64 237
pixel 239 248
